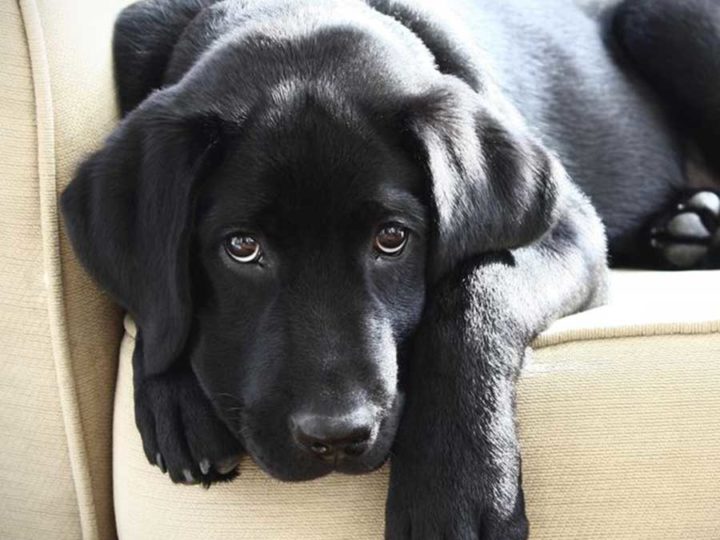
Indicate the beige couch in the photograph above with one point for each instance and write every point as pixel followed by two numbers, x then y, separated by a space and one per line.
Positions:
pixel 619 407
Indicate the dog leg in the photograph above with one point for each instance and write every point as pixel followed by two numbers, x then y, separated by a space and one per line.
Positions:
pixel 675 46
pixel 456 463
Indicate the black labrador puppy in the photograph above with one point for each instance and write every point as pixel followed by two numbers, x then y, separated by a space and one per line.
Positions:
pixel 339 224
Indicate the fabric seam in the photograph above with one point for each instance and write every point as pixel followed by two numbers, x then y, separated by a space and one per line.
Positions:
pixel 661 334
pixel 706 328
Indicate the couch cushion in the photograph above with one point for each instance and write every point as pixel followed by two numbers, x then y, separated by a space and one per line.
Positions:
pixel 619 419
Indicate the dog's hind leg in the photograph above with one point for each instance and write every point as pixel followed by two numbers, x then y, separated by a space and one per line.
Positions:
pixel 675 46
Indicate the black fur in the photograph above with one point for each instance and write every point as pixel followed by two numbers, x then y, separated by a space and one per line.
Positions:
pixel 675 46
pixel 308 125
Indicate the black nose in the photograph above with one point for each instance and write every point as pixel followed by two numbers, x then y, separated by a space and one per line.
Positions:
pixel 331 437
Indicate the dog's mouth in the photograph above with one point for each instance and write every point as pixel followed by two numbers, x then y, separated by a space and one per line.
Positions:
pixel 279 455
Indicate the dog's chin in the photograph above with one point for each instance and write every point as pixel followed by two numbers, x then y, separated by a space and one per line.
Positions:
pixel 293 465
pixel 304 469
pixel 285 462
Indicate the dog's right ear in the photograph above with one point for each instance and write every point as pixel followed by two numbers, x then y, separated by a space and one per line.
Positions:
pixel 128 213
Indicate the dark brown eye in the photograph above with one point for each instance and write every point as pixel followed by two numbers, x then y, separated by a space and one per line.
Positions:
pixel 243 248
pixel 391 239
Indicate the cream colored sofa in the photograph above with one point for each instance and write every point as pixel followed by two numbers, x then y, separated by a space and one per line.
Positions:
pixel 619 407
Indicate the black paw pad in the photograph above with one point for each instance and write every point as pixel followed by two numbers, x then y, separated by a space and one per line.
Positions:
pixel 688 234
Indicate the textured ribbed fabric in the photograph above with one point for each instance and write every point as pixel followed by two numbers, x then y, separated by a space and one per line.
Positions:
pixel 58 335
pixel 619 412
pixel 37 497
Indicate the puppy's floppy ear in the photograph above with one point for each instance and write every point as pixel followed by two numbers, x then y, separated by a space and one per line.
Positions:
pixel 128 215
pixel 493 186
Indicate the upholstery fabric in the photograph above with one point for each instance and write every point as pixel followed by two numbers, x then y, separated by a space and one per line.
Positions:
pixel 619 414
pixel 59 335
pixel 38 498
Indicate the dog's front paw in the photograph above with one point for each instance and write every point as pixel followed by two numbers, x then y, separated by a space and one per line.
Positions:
pixel 437 501
pixel 181 431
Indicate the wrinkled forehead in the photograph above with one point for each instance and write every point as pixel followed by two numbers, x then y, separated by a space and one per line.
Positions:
pixel 311 167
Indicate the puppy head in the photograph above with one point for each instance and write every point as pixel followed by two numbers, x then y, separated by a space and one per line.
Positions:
pixel 311 249
pixel 286 256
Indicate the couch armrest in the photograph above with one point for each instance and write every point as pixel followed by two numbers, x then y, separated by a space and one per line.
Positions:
pixel 59 335
pixel 619 415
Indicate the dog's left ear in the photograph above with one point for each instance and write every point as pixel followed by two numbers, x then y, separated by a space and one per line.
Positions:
pixel 493 185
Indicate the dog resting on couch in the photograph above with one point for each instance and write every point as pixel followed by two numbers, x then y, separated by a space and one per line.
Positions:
pixel 339 224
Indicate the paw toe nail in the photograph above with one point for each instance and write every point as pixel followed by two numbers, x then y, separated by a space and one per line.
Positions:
pixel 227 465
pixel 706 200
pixel 160 462
pixel 204 466
pixel 688 224
pixel 189 478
